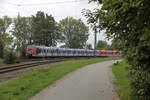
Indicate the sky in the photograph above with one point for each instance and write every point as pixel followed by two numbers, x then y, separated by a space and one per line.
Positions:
pixel 59 9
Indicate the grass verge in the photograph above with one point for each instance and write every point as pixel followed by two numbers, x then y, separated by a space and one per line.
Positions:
pixel 122 82
pixel 30 83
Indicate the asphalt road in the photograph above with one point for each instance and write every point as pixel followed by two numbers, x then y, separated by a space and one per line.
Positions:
pixel 93 82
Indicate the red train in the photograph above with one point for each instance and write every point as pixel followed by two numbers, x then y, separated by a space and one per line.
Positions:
pixel 43 51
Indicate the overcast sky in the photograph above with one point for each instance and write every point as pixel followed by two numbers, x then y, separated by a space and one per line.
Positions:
pixel 59 9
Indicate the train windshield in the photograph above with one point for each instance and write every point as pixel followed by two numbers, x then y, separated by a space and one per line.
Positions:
pixel 29 49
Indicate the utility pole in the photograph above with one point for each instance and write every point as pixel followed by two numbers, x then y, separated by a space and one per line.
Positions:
pixel 95 40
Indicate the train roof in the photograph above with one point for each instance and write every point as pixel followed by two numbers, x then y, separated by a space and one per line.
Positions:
pixel 41 46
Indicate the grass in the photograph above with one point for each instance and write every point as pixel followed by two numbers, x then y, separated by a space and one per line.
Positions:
pixel 27 85
pixel 122 81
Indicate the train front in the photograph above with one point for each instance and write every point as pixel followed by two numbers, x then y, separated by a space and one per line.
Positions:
pixel 30 51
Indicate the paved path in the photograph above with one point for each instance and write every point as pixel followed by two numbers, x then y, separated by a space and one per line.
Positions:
pixel 89 83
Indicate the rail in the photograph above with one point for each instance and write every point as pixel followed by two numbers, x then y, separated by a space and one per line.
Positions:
pixel 16 67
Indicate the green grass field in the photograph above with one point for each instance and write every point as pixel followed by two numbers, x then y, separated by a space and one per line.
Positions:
pixel 122 82
pixel 31 83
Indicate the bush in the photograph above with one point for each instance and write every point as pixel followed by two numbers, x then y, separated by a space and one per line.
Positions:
pixel 9 57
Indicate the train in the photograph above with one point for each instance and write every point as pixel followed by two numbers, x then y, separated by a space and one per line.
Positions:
pixel 44 51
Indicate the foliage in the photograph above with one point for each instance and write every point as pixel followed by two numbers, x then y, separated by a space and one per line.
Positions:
pixel 102 45
pixel 116 44
pixel 74 32
pixel 9 57
pixel 1 50
pixel 29 84
pixel 45 29
pixel 89 46
pixel 4 36
pixel 128 22
pixel 121 80
pixel 22 32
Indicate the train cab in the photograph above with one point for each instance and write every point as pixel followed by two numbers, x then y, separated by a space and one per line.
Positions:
pixel 29 50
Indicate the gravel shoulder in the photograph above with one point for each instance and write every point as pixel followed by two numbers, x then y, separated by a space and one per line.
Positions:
pixel 93 82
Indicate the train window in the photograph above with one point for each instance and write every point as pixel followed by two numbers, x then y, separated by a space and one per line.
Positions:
pixel 30 50
pixel 56 50
pixel 74 52
pixel 53 50
pixel 85 51
pixel 78 52
pixel 67 51
pixel 44 51
pixel 38 50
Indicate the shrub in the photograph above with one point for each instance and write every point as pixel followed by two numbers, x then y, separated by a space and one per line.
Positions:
pixel 9 57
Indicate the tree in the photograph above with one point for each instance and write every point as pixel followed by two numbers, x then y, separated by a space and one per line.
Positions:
pixel 9 55
pixel 101 44
pixel 116 44
pixel 22 32
pixel 128 22
pixel 74 32
pixel 45 29
pixel 4 36
pixel 89 46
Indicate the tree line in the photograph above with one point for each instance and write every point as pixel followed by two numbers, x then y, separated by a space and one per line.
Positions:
pixel 40 29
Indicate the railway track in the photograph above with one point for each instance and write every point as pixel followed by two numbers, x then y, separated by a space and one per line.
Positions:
pixel 10 68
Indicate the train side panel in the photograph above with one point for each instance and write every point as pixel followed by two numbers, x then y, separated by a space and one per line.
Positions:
pixel 42 51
